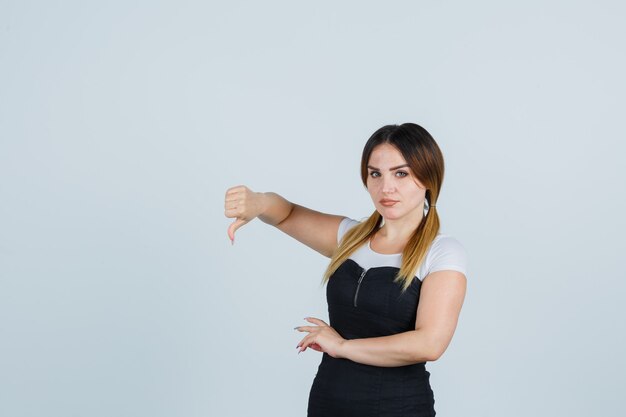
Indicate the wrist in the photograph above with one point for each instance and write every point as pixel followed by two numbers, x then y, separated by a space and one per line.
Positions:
pixel 344 348
pixel 262 203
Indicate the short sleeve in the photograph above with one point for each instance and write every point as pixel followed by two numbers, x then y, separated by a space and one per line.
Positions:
pixel 346 224
pixel 447 253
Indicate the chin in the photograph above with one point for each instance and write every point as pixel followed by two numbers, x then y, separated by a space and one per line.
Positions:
pixel 389 214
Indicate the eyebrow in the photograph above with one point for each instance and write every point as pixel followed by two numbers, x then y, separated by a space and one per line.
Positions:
pixel 390 169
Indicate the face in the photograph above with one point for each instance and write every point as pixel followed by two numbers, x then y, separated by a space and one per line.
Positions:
pixel 390 178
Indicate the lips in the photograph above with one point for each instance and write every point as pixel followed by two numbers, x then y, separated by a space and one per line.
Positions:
pixel 388 203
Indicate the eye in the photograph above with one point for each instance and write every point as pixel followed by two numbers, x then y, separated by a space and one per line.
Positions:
pixel 404 174
pixel 374 172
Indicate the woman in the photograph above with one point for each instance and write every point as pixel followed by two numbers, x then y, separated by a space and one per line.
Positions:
pixel 395 284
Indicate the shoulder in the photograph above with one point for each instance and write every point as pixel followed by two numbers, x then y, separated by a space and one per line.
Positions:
pixel 446 252
pixel 346 224
pixel 445 241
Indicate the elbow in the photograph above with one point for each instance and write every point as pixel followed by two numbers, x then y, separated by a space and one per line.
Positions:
pixel 438 348
pixel 435 354
pixel 431 351
pixel 429 355
pixel 424 356
pixel 291 209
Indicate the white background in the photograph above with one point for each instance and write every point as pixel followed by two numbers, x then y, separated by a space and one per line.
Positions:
pixel 122 125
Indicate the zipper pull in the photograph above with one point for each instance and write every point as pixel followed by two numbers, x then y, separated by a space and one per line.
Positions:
pixel 359 285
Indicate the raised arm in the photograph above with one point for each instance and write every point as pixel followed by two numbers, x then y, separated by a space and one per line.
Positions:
pixel 315 229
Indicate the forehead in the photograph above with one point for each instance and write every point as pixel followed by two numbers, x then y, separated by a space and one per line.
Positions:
pixel 386 154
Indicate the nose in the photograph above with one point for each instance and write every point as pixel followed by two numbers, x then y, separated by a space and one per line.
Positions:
pixel 389 185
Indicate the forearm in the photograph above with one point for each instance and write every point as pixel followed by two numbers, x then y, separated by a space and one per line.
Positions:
pixel 275 208
pixel 395 350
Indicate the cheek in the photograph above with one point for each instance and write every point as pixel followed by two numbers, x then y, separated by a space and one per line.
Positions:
pixel 418 194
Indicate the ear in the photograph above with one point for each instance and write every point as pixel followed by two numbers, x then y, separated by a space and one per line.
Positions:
pixel 428 196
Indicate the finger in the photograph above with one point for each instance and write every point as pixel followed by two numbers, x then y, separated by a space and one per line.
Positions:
pixel 303 328
pixel 234 206
pixel 234 190
pixel 316 347
pixel 231 203
pixel 307 342
pixel 232 196
pixel 304 343
pixel 316 321
pixel 233 227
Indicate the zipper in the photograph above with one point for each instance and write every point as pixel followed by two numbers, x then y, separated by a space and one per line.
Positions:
pixel 358 286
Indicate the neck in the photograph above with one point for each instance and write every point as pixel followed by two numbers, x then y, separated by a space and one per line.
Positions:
pixel 396 230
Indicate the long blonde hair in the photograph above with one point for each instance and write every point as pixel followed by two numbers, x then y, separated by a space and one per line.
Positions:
pixel 425 161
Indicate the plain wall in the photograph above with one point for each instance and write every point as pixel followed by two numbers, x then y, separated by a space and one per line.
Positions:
pixel 122 125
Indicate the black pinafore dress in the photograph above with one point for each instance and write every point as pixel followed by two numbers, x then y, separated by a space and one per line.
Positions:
pixel 367 303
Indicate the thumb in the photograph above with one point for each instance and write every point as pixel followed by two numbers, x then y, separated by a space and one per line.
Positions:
pixel 234 226
pixel 315 346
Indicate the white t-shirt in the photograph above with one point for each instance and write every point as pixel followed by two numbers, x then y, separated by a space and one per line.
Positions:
pixel 445 252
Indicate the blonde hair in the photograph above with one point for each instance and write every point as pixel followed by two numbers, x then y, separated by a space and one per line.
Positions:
pixel 425 161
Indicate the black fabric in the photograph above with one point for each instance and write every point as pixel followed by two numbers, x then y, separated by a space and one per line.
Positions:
pixel 343 388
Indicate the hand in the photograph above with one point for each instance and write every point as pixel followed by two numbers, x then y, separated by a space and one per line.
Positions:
pixel 322 338
pixel 244 204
